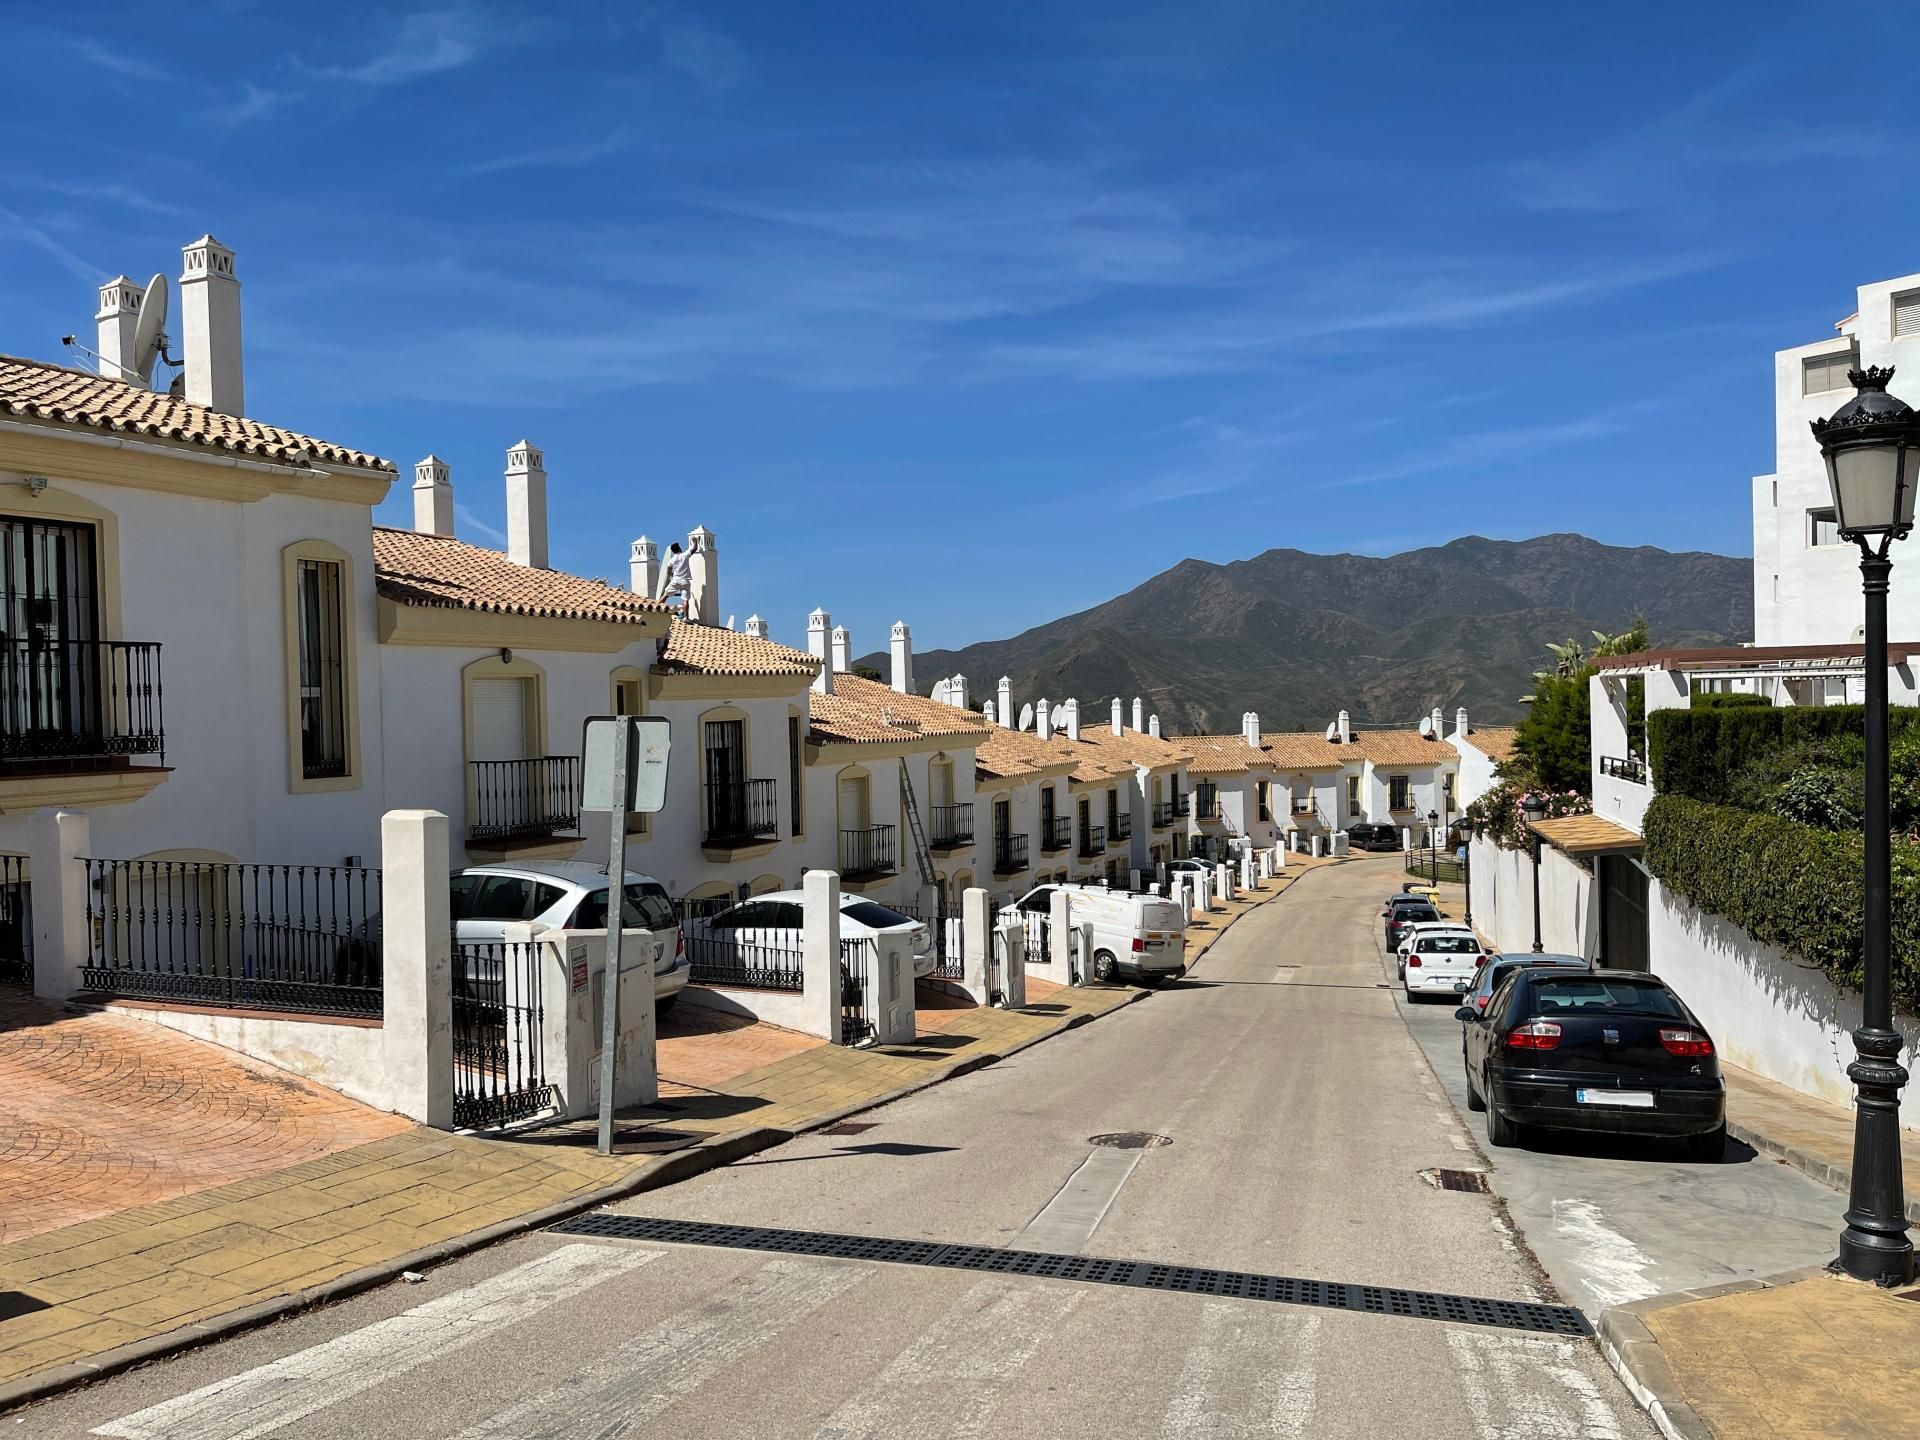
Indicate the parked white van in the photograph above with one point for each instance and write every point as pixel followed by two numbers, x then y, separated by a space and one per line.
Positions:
pixel 1141 937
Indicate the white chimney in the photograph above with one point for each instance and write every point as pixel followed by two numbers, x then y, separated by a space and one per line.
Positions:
pixel 957 688
pixel 817 625
pixel 987 713
pixel 1153 726
pixel 939 691
pixel 842 649
pixel 118 318
pixel 1043 720
pixel 210 327
pixel 1073 720
pixel 1460 727
pixel 900 648
pixel 1119 724
pixel 1139 713
pixel 527 506
pixel 756 627
pixel 1006 701
pixel 1250 727
pixel 1439 723
pixel 703 577
pixel 643 567
pixel 432 497
pixel 1346 729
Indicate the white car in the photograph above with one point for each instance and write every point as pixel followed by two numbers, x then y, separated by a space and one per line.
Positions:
pixel 775 923
pixel 570 895
pixel 1426 927
pixel 1442 963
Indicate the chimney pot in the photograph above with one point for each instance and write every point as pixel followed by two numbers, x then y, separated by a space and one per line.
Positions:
pixel 1153 726
pixel 432 497
pixel 1006 701
pixel 842 649
pixel 1043 721
pixel 1073 720
pixel 1346 729
pixel 1139 713
pixel 958 689
pixel 756 627
pixel 1119 723
pixel 643 568
pixel 527 506
pixel 703 577
pixel 118 318
pixel 900 646
pixel 987 713
pixel 1460 722
pixel 210 327
pixel 818 624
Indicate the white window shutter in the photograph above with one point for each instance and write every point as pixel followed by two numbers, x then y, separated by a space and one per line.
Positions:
pixel 1906 314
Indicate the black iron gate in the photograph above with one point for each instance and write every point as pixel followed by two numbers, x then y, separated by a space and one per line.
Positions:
pixel 499 1064
pixel 858 960
pixel 16 922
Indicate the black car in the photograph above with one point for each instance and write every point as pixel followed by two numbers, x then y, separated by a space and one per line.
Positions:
pixel 1399 916
pixel 1606 1050
pixel 1373 837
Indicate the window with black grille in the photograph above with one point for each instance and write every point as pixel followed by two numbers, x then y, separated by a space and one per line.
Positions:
pixel 323 689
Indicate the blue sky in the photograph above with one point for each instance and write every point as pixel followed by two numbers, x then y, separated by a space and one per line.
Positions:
pixel 979 313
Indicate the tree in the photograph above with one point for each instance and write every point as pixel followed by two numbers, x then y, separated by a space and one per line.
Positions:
pixel 1556 738
pixel 867 672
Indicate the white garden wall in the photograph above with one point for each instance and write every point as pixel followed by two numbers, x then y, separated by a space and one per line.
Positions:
pixel 342 1055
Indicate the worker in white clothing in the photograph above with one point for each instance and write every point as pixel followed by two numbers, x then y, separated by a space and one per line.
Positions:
pixel 675 576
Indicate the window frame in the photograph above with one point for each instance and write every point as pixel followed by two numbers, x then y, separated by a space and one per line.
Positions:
pixel 1848 359
pixel 1817 516
pixel 292 557
pixel 1401 785
pixel 623 678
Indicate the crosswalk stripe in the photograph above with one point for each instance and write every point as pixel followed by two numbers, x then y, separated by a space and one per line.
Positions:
pixel 1508 1383
pixel 1236 1347
pixel 280 1393
pixel 951 1381
pixel 636 1382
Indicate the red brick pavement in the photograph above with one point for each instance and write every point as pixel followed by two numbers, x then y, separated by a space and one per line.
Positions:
pixel 100 1113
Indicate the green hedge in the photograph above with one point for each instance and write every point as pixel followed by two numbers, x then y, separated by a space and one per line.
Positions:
pixel 1699 752
pixel 1785 883
pixel 1731 700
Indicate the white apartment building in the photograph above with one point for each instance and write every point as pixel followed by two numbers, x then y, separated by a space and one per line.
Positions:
pixel 1806 582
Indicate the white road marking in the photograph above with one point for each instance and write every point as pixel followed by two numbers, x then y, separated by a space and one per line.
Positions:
pixel 1066 1223
pixel 1284 974
pixel 1613 1267
pixel 1235 1343
pixel 282 1392
pixel 952 1380
pixel 1528 1387
pixel 635 1383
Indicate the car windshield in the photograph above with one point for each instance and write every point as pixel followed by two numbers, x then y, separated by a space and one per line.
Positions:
pixel 879 917
pixel 647 908
pixel 1411 914
pixel 1447 945
pixel 1590 994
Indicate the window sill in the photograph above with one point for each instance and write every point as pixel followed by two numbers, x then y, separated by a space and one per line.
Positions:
pixel 79 788
pixel 322 784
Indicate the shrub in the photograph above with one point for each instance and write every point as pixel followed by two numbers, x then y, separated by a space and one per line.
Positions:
pixel 1785 883
pixel 1821 795
pixel 1702 753
pixel 1732 700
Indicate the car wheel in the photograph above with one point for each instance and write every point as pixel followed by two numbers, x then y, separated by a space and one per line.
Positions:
pixel 1500 1130
pixel 1474 1099
pixel 1105 967
pixel 665 1007
pixel 1710 1146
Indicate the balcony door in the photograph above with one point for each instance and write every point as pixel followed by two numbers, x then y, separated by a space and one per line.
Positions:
pixel 49 672
pixel 726 745
pixel 855 812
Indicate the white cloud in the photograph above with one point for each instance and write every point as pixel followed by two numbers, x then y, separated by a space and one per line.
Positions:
pixel 252 103
pixel 480 527
pixel 709 58
pixel 565 156
pixel 76 265
pixel 425 43
pixel 123 197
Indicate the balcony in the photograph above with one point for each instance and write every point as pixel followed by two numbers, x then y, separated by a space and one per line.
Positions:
pixel 1631 769
pixel 521 802
pixel 1622 790
pixel 951 827
pixel 1164 813
pixel 1093 841
pixel 1056 835
pixel 80 722
pixel 1120 826
pixel 866 854
pixel 1182 805
pixel 1206 803
pixel 741 813
pixel 1009 854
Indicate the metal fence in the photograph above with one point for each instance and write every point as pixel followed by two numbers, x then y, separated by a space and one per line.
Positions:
pixel 302 938
pixel 866 853
pixel 746 959
pixel 1009 854
pixel 16 922
pixel 742 810
pixel 952 826
pixel 1423 865
pixel 1038 935
pixel 80 699
pixel 859 959
pixel 525 799
pixel 499 1060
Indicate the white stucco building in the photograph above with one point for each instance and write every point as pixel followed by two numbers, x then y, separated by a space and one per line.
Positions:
pixel 1806 582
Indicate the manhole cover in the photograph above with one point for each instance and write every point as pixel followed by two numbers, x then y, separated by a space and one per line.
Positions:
pixel 1131 1140
pixel 1472 1181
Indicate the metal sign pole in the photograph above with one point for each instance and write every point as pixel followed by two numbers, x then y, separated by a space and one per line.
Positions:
pixel 623 760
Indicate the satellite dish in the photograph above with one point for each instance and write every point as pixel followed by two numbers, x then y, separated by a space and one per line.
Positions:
pixel 148 332
pixel 1026 717
pixel 1333 733
pixel 1426 728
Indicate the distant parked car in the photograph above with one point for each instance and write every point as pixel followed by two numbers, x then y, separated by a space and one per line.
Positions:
pixel 1365 836
pixel 1425 927
pixel 776 922
pixel 1139 937
pixel 1500 967
pixel 1606 1050
pixel 1401 916
pixel 1442 962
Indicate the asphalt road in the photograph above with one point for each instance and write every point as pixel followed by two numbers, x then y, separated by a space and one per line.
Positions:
pixel 1301 1116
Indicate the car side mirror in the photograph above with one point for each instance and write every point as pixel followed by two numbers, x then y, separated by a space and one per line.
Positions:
pixel 1465 1013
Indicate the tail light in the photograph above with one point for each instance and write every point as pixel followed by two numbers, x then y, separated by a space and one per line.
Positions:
pixel 1534 1035
pixel 1413 962
pixel 1685 1042
pixel 1478 961
pixel 1139 945
pixel 679 944
pixel 1480 1001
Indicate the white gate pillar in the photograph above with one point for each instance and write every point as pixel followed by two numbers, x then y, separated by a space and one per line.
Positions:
pixel 1222 881
pixel 820 953
pixel 1060 939
pixel 1013 982
pixel 417 965
pixel 890 992
pixel 976 940
pixel 57 842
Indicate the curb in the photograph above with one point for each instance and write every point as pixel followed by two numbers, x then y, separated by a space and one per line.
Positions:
pixel 1635 1355
pixel 668 1169
pixel 1812 1166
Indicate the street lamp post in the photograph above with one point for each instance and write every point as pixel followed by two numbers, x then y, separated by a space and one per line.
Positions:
pixel 1871 446
pixel 1535 809
pixel 1433 844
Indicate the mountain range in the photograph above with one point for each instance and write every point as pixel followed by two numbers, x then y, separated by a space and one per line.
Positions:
pixel 1298 637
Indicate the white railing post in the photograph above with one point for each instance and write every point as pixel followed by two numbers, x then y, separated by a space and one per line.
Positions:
pixel 976 942
pixel 820 953
pixel 1222 881
pixel 1060 940
pixel 1246 870
pixel 416 942
pixel 58 841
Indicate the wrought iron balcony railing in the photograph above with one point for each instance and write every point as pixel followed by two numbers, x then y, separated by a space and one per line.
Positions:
pixel 742 811
pixel 1009 854
pixel 951 827
pixel 1120 826
pixel 1093 841
pixel 1630 768
pixel 95 702
pixel 1056 834
pixel 866 853
pixel 525 799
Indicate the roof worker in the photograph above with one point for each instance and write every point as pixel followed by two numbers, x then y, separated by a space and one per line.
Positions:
pixel 675 576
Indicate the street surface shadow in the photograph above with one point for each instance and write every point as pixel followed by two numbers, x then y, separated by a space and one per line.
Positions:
pixel 14 1303
pixel 892 1148
pixel 1640 1149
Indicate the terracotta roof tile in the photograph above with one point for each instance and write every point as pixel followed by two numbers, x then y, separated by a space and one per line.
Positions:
pixel 1311 750
pixel 1496 742
pixel 1402 747
pixel 437 570
pixel 1135 747
pixel 1007 754
pixel 1224 755
pixel 865 712
pixel 1306 750
pixel 709 650
pixel 40 391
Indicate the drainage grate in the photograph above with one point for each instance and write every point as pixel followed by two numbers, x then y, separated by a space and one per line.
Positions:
pixel 850 1127
pixel 1092 1270
pixel 1474 1182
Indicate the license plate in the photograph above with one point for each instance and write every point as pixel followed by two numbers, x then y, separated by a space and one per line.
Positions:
pixel 1623 1099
